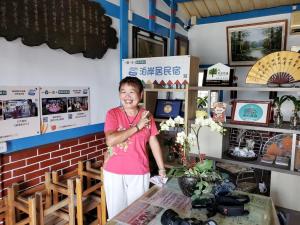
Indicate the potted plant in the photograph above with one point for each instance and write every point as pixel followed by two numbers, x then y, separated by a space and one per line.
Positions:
pixel 278 101
pixel 201 105
pixel 294 120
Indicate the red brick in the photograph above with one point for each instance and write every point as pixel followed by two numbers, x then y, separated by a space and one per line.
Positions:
pixel 86 139
pixel 82 158
pixel 60 166
pixel 69 143
pixel 38 159
pixel 35 174
pixel 100 158
pixel 48 148
pixel 69 169
pixel 26 169
pixel 50 162
pixel 94 143
pixel 23 154
pixel 71 156
pixel 95 154
pixel 8 183
pixel 87 151
pixel 5 158
pixel 6 176
pixel 101 146
pixel 14 165
pixel 100 135
pixel 60 152
pixel 29 184
pixel 79 147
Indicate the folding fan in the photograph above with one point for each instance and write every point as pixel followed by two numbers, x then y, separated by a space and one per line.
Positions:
pixel 276 68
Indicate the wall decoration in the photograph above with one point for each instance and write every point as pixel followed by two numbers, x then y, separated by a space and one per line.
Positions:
pixel 168 72
pixel 19 112
pixel 167 108
pixel 277 68
pixel 64 108
pixel 77 26
pixel 182 46
pixel 147 44
pixel 249 42
pixel 251 112
pixel 218 75
pixel 219 109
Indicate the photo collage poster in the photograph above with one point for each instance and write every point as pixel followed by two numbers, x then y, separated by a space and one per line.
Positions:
pixel 19 113
pixel 64 108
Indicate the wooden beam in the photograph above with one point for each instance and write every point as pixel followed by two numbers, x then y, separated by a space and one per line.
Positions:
pixel 191 9
pixel 259 4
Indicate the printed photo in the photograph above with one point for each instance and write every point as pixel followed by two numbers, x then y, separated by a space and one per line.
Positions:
pixel 76 104
pixel 18 108
pixel 1 110
pixel 54 106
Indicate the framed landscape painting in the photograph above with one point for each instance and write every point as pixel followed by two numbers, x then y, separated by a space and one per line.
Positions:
pixel 249 42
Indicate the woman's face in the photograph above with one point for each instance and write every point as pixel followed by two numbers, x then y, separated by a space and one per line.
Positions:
pixel 130 96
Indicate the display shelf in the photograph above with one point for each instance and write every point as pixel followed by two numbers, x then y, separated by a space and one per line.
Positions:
pixel 246 88
pixel 165 89
pixel 271 128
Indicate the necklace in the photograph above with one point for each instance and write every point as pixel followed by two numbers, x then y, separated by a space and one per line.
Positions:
pixel 131 122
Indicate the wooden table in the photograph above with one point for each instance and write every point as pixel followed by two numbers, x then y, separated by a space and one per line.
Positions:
pixel 150 206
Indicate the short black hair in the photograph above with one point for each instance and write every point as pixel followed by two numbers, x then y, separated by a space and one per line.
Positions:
pixel 132 81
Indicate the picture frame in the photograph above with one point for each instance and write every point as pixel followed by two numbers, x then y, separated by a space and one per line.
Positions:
pixel 182 45
pixel 218 82
pixel 251 112
pixel 147 44
pixel 166 108
pixel 248 43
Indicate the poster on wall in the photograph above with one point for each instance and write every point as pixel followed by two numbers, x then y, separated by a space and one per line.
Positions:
pixel 19 112
pixel 169 72
pixel 64 108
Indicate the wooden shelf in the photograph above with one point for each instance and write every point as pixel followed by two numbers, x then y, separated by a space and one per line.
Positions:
pixel 246 88
pixel 165 90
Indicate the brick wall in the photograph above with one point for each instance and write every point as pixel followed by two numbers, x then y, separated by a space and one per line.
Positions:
pixel 28 167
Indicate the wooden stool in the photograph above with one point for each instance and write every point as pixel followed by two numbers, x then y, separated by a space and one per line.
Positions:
pixel 3 209
pixel 26 205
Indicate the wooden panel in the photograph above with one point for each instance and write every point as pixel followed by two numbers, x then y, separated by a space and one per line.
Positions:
pixel 247 5
pixel 235 5
pixel 212 7
pixel 183 10
pixel 202 9
pixel 272 3
pixel 191 9
pixel 223 7
pixel 259 4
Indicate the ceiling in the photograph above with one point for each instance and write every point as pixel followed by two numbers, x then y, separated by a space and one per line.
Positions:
pixel 207 8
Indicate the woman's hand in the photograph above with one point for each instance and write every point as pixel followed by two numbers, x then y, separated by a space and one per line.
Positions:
pixel 144 121
pixel 162 173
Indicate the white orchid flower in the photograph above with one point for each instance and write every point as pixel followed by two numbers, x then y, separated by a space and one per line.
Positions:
pixel 179 120
pixel 170 122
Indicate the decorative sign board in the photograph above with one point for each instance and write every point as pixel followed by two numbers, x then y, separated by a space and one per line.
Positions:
pixel 64 108
pixel 170 72
pixel 218 75
pixel 19 112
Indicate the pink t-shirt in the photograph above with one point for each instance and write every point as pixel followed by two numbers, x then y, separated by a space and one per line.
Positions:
pixel 129 157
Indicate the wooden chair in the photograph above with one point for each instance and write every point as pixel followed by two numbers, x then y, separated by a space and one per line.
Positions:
pixel 16 203
pixel 61 212
pixel 90 193
pixel 3 209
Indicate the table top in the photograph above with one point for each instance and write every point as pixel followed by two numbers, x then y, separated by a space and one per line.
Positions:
pixel 151 205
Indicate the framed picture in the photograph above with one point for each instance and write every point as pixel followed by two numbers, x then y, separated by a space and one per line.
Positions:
pixel 211 80
pixel 249 42
pixel 146 44
pixel 182 46
pixel 166 108
pixel 251 112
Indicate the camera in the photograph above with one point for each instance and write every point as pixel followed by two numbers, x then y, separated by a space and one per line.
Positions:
pixel 170 217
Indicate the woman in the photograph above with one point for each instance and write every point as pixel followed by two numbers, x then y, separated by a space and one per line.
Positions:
pixel 128 128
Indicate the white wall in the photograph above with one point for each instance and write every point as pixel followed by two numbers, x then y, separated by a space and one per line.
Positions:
pixel 42 66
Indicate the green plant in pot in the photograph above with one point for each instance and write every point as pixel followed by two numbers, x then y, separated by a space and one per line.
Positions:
pixel 201 105
pixel 294 120
pixel 196 180
pixel 278 101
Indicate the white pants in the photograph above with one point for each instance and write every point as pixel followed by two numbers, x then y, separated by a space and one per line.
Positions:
pixel 122 190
